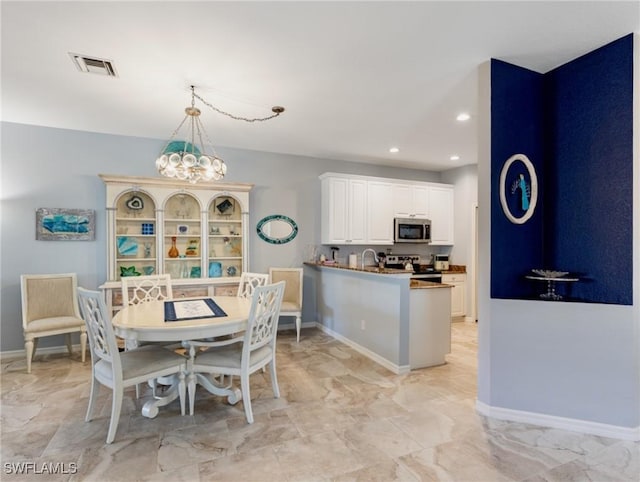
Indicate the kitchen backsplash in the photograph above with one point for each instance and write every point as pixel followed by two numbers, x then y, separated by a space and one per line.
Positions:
pixel 343 252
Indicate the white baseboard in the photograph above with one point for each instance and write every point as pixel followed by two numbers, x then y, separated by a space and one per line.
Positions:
pixel 571 424
pixel 397 369
pixel 292 325
pixel 50 350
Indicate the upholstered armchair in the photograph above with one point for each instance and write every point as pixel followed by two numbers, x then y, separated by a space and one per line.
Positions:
pixel 50 307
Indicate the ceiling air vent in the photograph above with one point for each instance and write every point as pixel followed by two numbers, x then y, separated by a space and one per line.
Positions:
pixel 93 65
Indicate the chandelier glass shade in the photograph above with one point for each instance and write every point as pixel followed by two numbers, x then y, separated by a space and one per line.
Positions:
pixel 186 161
pixel 190 160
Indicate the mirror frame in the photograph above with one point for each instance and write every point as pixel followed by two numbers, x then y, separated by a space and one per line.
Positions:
pixel 277 217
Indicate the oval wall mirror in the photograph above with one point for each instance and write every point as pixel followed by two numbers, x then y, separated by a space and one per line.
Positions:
pixel 277 229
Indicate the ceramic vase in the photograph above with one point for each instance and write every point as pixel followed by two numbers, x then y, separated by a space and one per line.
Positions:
pixel 173 250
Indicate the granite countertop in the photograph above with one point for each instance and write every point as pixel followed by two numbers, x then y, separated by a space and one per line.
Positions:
pixel 414 284
pixel 366 269
pixel 421 285
pixel 456 268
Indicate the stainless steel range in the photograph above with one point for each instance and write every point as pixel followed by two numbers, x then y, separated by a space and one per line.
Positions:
pixel 420 271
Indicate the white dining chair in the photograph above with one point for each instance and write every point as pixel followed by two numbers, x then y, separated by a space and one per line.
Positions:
pixel 50 307
pixel 243 355
pixel 118 370
pixel 249 282
pixel 140 289
pixel 292 299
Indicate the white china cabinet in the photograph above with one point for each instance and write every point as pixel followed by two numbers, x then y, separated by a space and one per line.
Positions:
pixel 198 233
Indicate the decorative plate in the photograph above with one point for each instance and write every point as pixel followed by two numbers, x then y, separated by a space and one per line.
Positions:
pixel 135 202
pixel 231 271
pixel 545 273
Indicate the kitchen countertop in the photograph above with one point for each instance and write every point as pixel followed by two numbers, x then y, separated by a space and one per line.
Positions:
pixel 456 268
pixel 414 284
pixel 422 285
pixel 366 269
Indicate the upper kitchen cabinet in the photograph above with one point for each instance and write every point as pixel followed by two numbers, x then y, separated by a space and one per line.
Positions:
pixel 379 212
pixel 410 201
pixel 344 210
pixel 360 209
pixel 441 214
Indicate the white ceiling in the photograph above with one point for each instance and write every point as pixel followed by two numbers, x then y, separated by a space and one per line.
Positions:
pixel 355 77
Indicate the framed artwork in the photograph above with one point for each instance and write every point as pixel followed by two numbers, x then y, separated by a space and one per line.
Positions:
pixel 53 224
pixel 226 206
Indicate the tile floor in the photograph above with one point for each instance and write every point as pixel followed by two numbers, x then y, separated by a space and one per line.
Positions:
pixel 341 417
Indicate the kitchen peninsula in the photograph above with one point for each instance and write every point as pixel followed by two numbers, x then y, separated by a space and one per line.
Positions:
pixel 383 314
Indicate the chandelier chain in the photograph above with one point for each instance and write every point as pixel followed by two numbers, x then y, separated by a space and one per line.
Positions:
pixel 277 111
pixel 183 160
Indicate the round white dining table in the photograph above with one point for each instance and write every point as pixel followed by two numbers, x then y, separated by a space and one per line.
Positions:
pixel 146 322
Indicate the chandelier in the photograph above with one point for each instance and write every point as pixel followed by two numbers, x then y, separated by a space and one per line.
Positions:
pixel 189 160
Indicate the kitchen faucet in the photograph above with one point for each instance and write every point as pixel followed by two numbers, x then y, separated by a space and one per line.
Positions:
pixel 372 251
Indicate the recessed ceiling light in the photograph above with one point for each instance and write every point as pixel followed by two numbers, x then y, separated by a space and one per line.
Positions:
pixel 455 157
pixel 393 150
pixel 463 116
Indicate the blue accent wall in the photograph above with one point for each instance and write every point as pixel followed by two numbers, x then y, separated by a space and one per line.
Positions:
pixel 590 213
pixel 575 124
pixel 517 123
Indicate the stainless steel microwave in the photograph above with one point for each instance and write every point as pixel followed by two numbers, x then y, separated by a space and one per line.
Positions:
pixel 411 230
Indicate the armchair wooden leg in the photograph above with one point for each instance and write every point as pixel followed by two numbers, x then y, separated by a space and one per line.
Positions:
pixel 298 326
pixel 35 347
pixel 83 345
pixel 29 349
pixel 68 339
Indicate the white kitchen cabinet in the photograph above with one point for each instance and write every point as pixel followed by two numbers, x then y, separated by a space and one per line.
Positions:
pixel 458 281
pixel 441 214
pixel 379 212
pixel 344 210
pixel 360 209
pixel 206 222
pixel 410 201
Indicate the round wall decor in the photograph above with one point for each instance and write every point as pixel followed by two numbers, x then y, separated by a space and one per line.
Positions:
pixel 277 229
pixel 525 185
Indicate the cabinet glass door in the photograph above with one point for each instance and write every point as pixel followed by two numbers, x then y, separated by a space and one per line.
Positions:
pixel 135 227
pixel 182 237
pixel 225 237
